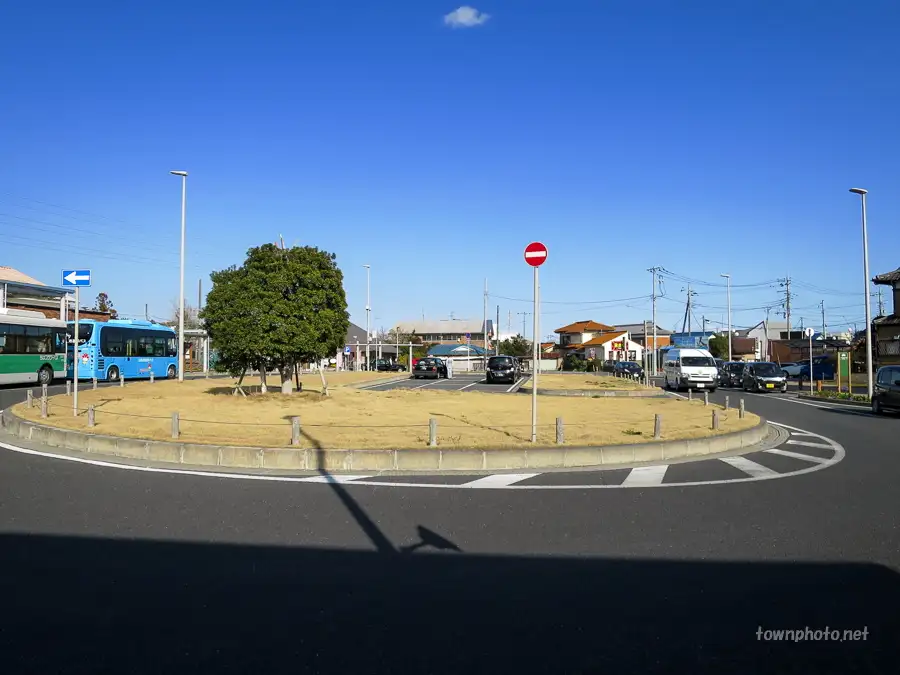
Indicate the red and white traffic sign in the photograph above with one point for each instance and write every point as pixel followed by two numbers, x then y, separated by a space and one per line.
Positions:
pixel 535 254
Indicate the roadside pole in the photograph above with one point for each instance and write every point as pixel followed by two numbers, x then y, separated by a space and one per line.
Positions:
pixel 535 255
pixel 75 279
pixel 76 357
pixel 809 334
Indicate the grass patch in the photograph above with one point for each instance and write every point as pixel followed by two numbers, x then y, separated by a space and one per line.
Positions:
pixel 600 382
pixel 353 418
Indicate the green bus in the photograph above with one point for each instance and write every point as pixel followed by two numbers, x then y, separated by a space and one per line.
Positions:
pixel 32 347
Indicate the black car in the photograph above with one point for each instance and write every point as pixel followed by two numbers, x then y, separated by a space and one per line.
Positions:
pixel 628 369
pixel 430 367
pixel 383 365
pixel 502 369
pixel 731 374
pixel 887 390
pixel 764 376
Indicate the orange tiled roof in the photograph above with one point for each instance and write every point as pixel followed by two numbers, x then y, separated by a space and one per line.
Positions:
pixel 603 339
pixel 544 345
pixel 584 327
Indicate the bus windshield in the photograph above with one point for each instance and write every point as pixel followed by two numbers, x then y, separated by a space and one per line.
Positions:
pixel 85 330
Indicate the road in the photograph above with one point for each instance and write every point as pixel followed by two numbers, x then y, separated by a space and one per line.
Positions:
pixel 459 382
pixel 111 570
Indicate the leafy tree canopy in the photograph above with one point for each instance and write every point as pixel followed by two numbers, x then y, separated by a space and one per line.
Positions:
pixel 718 346
pixel 516 346
pixel 104 304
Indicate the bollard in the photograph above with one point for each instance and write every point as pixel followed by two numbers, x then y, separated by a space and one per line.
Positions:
pixel 43 406
pixel 151 377
pixel 68 387
pixel 705 398
pixel 560 434
pixel 90 417
pixel 295 431
pixel 94 382
pixel 690 394
pixel 715 420
pixel 176 431
pixel 121 380
pixel 741 410
pixel 726 403
pixel 432 432
pixel 43 391
pixel 657 426
pixel 29 398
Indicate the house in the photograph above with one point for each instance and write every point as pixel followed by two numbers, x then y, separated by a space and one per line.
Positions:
pixel 580 332
pixel 642 333
pixel 449 331
pixel 20 291
pixel 886 329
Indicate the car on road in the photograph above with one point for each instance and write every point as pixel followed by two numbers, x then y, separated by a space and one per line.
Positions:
pixel 764 376
pixel 690 369
pixel 384 365
pixel 886 396
pixel 732 374
pixel 628 369
pixel 503 368
pixel 430 367
pixel 792 369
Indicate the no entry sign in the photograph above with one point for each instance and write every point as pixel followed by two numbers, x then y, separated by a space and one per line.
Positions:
pixel 535 254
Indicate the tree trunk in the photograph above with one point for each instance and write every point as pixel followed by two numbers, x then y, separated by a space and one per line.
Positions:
pixel 262 378
pixel 322 375
pixel 287 383
pixel 237 387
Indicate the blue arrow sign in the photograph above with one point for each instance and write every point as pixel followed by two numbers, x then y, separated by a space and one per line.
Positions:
pixel 347 350
pixel 76 278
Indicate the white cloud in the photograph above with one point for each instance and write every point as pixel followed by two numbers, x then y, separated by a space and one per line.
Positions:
pixel 465 17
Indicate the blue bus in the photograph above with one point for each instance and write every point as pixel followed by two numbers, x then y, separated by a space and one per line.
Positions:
pixel 133 349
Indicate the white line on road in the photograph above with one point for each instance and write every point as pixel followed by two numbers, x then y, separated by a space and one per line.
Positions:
pixel 471 385
pixel 515 384
pixel 498 480
pixel 810 444
pixel 798 455
pixel 428 384
pixel 749 467
pixel 645 476
pixel 333 478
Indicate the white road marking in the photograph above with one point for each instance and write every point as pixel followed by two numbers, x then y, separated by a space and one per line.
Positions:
pixel 645 476
pixel 749 467
pixel 471 385
pixel 810 444
pixel 428 384
pixel 797 455
pixel 498 480
pixel 514 384
pixel 333 478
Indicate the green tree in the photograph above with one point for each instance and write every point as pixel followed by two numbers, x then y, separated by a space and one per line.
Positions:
pixel 718 346
pixel 104 304
pixel 516 346
pixel 282 307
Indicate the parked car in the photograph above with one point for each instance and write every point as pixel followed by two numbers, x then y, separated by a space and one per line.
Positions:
pixel 690 369
pixel 764 376
pixel 887 390
pixel 385 365
pixel 732 374
pixel 823 368
pixel 792 369
pixel 430 367
pixel 503 369
pixel 629 369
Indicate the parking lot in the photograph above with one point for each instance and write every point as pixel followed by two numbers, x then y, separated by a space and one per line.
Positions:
pixel 459 382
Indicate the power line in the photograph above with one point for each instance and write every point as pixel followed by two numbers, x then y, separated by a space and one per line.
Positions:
pixel 572 302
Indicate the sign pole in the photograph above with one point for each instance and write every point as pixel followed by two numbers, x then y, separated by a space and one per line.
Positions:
pixel 534 362
pixel 76 356
pixel 809 334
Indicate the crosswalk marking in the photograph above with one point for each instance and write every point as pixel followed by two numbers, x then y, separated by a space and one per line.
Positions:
pixel 749 467
pixel 498 480
pixel 809 444
pixel 645 476
pixel 798 455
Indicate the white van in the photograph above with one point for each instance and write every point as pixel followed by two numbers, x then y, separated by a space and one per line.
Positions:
pixel 690 368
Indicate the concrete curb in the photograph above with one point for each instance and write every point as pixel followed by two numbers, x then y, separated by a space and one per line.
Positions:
pixel 591 393
pixel 836 401
pixel 376 383
pixel 412 460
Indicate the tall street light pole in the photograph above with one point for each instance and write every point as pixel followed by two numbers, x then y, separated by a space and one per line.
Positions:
pixel 184 175
pixel 728 281
pixel 368 313
pixel 862 193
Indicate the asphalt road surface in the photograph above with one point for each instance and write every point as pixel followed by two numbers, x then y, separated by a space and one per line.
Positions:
pixel 113 570
pixel 459 382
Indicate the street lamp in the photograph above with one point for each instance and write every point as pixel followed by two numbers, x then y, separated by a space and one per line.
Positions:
pixel 368 311
pixel 728 281
pixel 862 193
pixel 183 175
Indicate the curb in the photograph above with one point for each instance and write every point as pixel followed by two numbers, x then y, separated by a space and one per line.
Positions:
pixel 411 460
pixel 623 393
pixel 836 401
pixel 376 383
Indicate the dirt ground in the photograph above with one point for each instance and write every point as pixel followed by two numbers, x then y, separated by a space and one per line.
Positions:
pixel 354 418
pixel 585 381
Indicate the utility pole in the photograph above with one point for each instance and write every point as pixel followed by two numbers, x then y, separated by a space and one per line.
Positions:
pixel 497 333
pixel 654 275
pixel 880 303
pixel 484 321
pixel 787 304
pixel 524 314
pixel 824 332
pixel 146 312
pixel 687 311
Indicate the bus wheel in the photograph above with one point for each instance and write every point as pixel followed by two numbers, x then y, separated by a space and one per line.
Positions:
pixel 113 374
pixel 170 372
pixel 45 375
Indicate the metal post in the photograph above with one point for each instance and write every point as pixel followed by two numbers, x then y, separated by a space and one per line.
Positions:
pixel 183 175
pixel 295 431
pixel 409 365
pixel 91 418
pixel 741 409
pixel 715 419
pixel 43 391
pixel 728 281
pixel 432 432
pixel 121 379
pixel 560 432
pixel 68 388
pixel 497 334
pixel 94 382
pixel 865 234
pixel 44 406
pixel 811 374
pixel 657 426
pixel 151 377
pixel 29 398
pixel 76 356
pixel 690 394
pixel 726 403
pixel 176 427
pixel 534 358
pixel 705 398
pixel 368 311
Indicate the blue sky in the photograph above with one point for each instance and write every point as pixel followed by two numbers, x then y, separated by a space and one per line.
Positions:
pixel 703 137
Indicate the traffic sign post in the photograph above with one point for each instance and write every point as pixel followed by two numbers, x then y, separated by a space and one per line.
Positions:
pixel 809 334
pixel 535 255
pixel 76 278
pixel 843 370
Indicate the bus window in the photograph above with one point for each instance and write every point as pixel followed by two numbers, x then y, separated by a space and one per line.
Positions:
pixel 172 347
pixel 37 340
pixel 112 341
pixel 159 346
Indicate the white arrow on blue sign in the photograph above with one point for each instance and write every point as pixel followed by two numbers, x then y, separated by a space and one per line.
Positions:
pixel 76 278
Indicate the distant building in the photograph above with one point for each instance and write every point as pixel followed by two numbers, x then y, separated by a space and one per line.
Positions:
pixel 886 329
pixel 449 331
pixel 20 291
